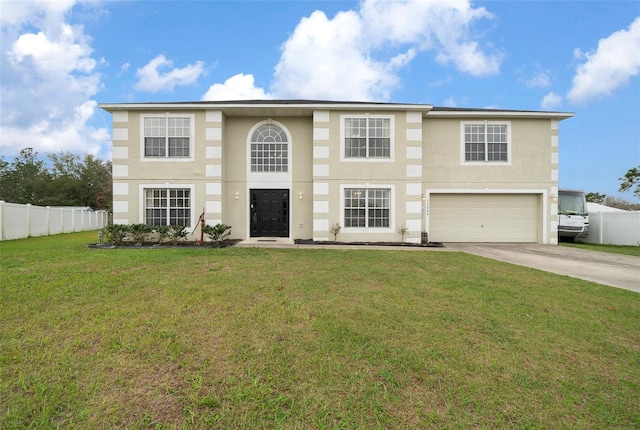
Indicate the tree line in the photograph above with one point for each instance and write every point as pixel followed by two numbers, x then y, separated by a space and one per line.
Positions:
pixel 629 182
pixel 62 179
pixel 71 180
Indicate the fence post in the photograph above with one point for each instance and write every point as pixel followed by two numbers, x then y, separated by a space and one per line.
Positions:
pixel 600 221
pixel 28 219
pixel 1 220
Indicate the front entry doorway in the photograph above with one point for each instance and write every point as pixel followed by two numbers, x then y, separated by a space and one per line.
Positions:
pixel 269 213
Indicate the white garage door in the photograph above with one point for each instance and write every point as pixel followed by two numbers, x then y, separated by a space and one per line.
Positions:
pixel 484 217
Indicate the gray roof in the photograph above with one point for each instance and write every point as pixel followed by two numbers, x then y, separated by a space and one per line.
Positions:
pixel 302 107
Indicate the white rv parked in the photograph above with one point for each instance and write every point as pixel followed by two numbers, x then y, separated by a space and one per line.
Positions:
pixel 573 217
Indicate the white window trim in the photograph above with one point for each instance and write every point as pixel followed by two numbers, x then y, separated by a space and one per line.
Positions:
pixel 464 162
pixel 192 145
pixel 270 177
pixel 392 131
pixel 392 209
pixel 141 199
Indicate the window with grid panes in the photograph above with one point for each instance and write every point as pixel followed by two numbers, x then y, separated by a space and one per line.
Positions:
pixel 367 137
pixel 167 136
pixel 486 142
pixel 367 207
pixel 269 149
pixel 168 206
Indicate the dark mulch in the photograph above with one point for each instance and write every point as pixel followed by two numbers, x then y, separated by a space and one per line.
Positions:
pixel 165 245
pixel 405 244
pixel 227 243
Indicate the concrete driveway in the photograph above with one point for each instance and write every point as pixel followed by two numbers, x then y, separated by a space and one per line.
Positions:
pixel 616 270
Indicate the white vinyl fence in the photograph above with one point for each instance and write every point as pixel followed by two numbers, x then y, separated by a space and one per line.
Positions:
pixel 614 228
pixel 20 221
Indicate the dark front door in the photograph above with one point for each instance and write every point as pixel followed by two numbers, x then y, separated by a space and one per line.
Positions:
pixel 270 213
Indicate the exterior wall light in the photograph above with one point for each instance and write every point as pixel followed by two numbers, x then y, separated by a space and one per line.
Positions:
pixel 300 195
pixel 237 195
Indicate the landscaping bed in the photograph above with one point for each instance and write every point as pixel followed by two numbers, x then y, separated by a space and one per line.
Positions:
pixel 406 244
pixel 155 245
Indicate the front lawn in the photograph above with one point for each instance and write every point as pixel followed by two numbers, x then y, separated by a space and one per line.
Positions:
pixel 307 339
pixel 616 249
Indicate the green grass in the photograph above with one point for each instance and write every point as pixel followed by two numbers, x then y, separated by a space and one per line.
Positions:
pixel 616 249
pixel 307 339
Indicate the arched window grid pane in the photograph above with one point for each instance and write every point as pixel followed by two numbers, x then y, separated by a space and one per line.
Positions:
pixel 269 149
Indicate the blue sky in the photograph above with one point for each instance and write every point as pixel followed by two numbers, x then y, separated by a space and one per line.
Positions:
pixel 61 58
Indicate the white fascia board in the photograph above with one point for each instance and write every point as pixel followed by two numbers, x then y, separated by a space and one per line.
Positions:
pixel 306 107
pixel 500 114
pixel 486 191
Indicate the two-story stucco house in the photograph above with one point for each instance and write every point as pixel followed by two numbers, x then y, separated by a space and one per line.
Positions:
pixel 293 168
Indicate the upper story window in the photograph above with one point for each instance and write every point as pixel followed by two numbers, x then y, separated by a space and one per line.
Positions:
pixel 486 142
pixel 167 136
pixel 367 137
pixel 269 149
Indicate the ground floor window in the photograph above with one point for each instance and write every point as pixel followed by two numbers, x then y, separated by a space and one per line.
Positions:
pixel 168 206
pixel 367 207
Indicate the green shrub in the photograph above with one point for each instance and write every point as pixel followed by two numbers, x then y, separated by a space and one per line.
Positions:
pixel 116 233
pixel 177 233
pixel 162 231
pixel 139 232
pixel 217 232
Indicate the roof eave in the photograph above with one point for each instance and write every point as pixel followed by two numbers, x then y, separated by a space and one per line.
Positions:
pixel 482 113
pixel 293 108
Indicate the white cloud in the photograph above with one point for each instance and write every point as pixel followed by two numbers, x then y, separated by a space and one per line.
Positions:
pixel 577 54
pixel 48 79
pixel 68 134
pixel 432 25
pixel 551 101
pixel 358 54
pixel 611 66
pixel 441 82
pixel 450 102
pixel 45 14
pixel 538 78
pixel 238 87
pixel 124 69
pixel 152 79
pixel 65 55
pixel 325 59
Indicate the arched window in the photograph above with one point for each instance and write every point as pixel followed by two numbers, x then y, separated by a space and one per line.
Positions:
pixel 269 149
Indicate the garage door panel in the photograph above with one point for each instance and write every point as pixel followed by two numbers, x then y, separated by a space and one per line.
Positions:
pixel 484 217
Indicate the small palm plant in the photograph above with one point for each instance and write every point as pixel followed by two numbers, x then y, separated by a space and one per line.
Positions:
pixel 163 232
pixel 217 232
pixel 177 233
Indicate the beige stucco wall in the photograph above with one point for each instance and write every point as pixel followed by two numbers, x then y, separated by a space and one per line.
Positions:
pixel 530 156
pixel 221 158
pixel 236 177
pixel 386 173
pixel 533 165
pixel 134 171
